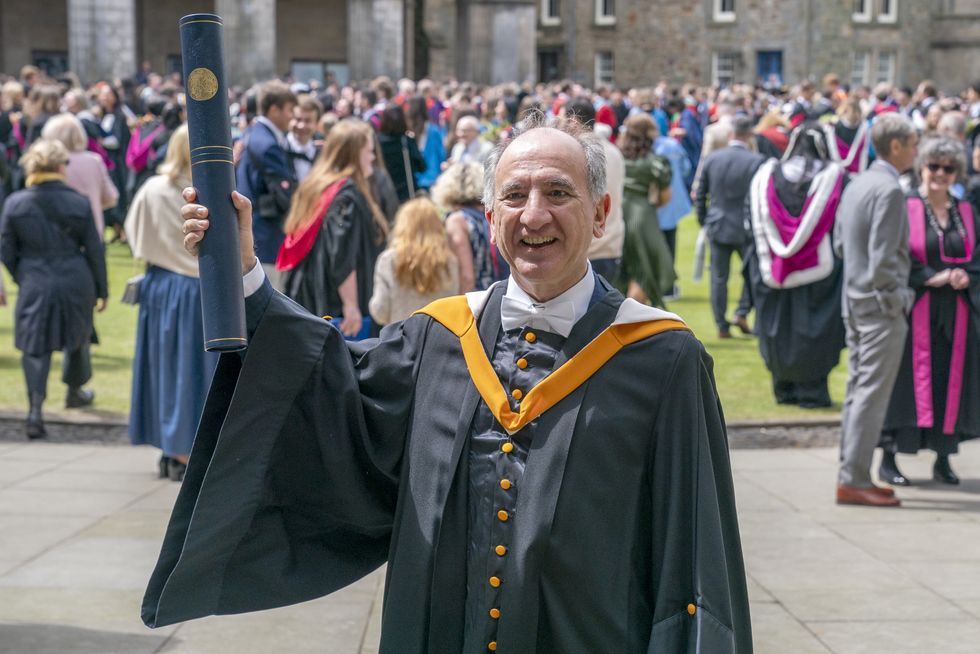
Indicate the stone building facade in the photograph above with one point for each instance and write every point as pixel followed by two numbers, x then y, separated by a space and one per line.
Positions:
pixel 639 42
pixel 625 42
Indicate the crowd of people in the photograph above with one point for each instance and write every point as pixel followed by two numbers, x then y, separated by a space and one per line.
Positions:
pixel 369 202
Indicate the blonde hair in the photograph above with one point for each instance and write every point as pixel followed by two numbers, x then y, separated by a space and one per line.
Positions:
pixel 44 156
pixel 176 164
pixel 421 248
pixel 11 95
pixel 850 109
pixel 68 130
pixel 460 185
pixel 339 158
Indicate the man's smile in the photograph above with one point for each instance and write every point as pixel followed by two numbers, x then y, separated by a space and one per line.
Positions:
pixel 538 241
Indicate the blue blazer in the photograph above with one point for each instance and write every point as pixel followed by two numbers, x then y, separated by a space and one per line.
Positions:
pixel 264 170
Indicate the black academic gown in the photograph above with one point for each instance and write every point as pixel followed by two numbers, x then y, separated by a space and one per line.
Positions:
pixel 318 460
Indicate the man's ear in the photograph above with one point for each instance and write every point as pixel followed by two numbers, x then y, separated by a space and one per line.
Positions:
pixel 601 213
pixel 493 236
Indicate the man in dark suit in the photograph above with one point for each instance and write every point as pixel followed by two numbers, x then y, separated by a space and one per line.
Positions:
pixel 265 174
pixel 725 177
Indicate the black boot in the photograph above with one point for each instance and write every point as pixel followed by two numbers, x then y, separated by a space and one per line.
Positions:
pixel 176 470
pixel 942 472
pixel 35 421
pixel 163 466
pixel 78 397
pixel 889 473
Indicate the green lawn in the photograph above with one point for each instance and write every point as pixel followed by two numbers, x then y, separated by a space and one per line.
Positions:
pixel 743 381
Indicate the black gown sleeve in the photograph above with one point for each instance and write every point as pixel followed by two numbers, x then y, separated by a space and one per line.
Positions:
pixel 291 486
pixel 700 598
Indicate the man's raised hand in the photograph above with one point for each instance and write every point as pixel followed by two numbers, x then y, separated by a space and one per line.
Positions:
pixel 196 224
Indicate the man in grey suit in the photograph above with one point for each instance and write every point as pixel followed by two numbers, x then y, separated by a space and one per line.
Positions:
pixel 871 235
pixel 726 175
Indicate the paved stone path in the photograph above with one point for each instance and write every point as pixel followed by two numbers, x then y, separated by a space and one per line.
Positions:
pixel 81 525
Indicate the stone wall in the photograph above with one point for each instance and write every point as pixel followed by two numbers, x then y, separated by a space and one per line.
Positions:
pixel 102 38
pixel 20 36
pixel 157 24
pixel 313 30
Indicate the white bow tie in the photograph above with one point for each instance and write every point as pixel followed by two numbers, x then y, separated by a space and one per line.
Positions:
pixel 558 318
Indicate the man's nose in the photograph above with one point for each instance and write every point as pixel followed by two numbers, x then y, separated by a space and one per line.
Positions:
pixel 537 211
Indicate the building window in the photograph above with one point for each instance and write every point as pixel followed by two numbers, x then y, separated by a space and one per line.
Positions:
pixel 724 11
pixel 862 11
pixel 604 68
pixel 886 68
pixel 888 11
pixel 551 12
pixel 605 12
pixel 723 68
pixel 859 70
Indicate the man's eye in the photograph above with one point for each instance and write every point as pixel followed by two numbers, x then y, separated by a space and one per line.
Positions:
pixel 513 196
pixel 558 193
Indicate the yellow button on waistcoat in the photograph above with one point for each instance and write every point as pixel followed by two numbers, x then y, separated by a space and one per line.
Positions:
pixel 495 613
pixel 507 447
pixel 530 337
pixel 492 646
pixel 500 550
pixel 691 609
pixel 502 515
pixel 495 582
pixel 522 363
pixel 517 393
pixel 505 484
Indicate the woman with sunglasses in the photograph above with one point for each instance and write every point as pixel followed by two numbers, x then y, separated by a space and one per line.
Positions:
pixel 934 404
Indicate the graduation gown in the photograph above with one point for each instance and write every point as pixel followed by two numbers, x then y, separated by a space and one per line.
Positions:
pixel 796 282
pixel 317 460
pixel 934 400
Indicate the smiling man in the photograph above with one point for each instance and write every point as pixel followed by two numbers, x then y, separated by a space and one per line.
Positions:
pixel 543 465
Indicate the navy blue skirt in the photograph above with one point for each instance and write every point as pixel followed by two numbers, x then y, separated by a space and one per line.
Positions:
pixel 171 370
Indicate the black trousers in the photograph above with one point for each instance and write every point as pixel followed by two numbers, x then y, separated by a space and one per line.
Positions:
pixel 76 369
pixel 721 263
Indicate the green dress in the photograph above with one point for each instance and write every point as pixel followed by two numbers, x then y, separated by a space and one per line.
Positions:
pixel 646 256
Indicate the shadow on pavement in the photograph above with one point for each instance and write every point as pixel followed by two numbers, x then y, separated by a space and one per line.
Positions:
pixel 59 639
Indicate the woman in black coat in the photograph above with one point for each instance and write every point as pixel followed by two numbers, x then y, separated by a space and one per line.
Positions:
pixel 401 155
pixel 49 243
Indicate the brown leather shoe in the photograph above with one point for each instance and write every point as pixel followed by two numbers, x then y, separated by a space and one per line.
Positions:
pixel 724 333
pixel 743 325
pixel 884 490
pixel 865 496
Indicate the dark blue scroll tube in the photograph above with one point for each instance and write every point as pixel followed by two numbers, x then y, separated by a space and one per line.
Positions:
pixel 213 174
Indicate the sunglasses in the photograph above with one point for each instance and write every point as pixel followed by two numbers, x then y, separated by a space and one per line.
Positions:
pixel 946 168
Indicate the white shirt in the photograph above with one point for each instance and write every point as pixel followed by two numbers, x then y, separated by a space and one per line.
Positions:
pixel 579 295
pixel 302 166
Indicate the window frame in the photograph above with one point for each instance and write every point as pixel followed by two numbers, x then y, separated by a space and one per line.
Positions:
pixel 892 15
pixel 716 58
pixel 892 58
pixel 547 18
pixel 863 16
pixel 602 18
pixel 865 57
pixel 598 70
pixel 720 14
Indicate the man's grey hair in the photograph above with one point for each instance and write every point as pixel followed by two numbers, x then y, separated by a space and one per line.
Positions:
pixel 890 127
pixel 595 156
pixel 952 124
pixel 942 149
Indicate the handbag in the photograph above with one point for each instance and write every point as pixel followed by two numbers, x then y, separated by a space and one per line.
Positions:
pixel 131 294
pixel 658 197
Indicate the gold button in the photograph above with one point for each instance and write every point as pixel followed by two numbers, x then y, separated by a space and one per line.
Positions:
pixel 522 363
pixel 502 515
pixel 517 393
pixel 691 609
pixel 530 337
pixel 505 484
pixel 507 447
pixel 500 550
pixel 492 646
pixel 495 582
pixel 495 613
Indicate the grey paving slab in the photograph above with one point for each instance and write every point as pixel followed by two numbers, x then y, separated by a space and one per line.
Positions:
pixel 50 451
pixel 136 460
pixel 971 606
pixel 115 611
pixel 40 638
pixel 868 605
pixel 62 478
pixel 957 580
pixel 15 470
pixel 893 544
pixel 900 637
pixel 130 524
pixel 161 498
pixel 752 460
pixel 65 502
pixel 775 631
pixel 94 563
pixel 26 536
